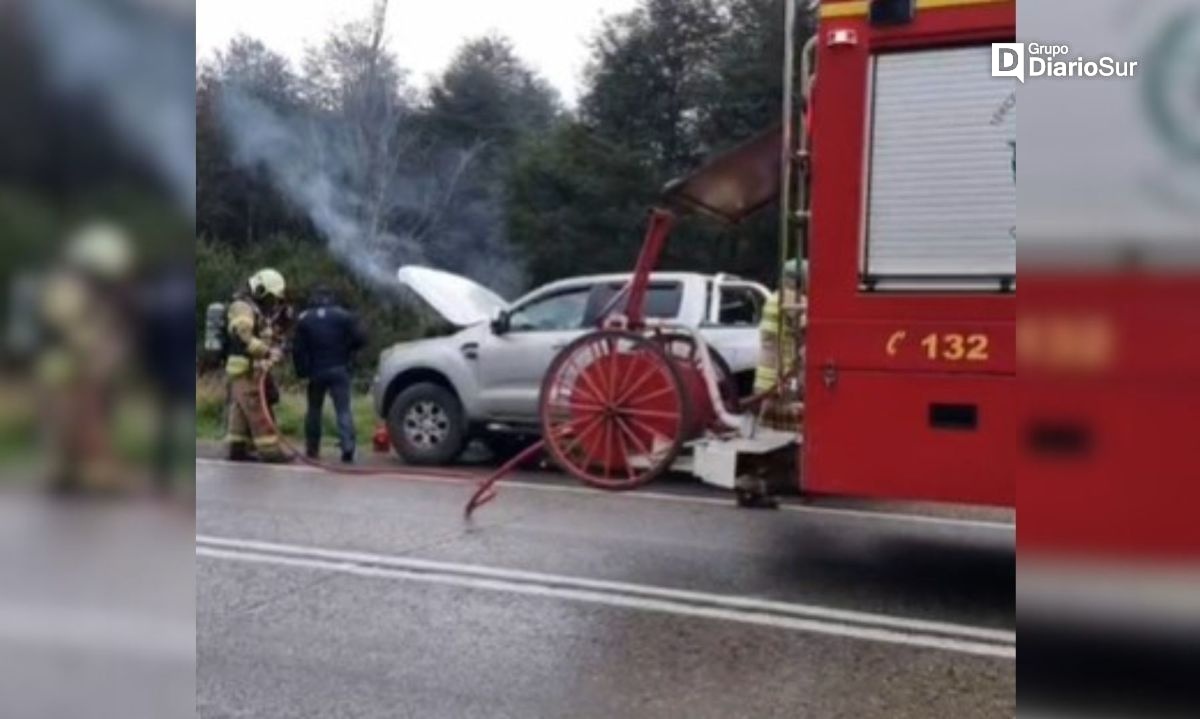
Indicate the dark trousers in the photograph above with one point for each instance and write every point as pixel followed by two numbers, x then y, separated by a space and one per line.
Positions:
pixel 337 383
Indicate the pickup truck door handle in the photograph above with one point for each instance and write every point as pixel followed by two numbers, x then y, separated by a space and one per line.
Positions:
pixel 557 346
pixel 470 350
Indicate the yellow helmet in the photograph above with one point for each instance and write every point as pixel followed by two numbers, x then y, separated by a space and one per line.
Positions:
pixel 102 249
pixel 267 282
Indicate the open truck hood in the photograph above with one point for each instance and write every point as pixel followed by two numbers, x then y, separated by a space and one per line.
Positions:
pixel 458 300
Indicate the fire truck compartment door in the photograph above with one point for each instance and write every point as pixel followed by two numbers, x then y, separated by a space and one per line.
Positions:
pixel 942 167
pixel 911 435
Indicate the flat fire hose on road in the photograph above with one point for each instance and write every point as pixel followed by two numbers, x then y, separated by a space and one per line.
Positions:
pixel 484 492
pixel 485 489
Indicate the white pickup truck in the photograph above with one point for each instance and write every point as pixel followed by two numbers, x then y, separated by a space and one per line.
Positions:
pixel 484 379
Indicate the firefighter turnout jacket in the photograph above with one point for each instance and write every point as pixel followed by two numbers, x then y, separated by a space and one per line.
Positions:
pixel 250 341
pixel 768 373
pixel 249 337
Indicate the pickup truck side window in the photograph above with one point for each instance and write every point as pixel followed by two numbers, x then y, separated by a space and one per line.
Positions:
pixel 663 300
pixel 740 307
pixel 559 311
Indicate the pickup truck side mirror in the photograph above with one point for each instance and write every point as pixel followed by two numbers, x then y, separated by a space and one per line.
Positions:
pixel 500 322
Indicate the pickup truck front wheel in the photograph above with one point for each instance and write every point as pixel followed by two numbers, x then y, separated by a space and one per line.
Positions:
pixel 426 425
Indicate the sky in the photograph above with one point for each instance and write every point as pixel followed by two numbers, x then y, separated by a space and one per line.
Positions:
pixel 550 35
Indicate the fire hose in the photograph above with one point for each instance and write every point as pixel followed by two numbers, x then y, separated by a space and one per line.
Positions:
pixel 484 492
pixel 485 489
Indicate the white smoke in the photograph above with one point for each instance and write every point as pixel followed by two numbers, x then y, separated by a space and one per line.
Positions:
pixel 435 209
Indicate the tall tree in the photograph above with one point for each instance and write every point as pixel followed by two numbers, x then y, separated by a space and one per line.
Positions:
pixel 576 201
pixel 490 101
pixel 652 88
pixel 487 94
pixel 354 78
pixel 674 82
pixel 252 67
pixel 652 79
pixel 235 202
pixel 749 63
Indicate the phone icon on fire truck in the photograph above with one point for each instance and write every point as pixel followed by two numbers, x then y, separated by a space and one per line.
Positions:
pixel 893 343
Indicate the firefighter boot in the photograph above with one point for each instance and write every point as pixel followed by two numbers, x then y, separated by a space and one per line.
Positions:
pixel 270 453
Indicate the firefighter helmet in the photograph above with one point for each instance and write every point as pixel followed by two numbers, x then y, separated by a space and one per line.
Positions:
pixel 101 249
pixel 267 283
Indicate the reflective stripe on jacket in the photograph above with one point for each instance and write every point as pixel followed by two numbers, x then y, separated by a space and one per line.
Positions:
pixel 245 344
pixel 766 374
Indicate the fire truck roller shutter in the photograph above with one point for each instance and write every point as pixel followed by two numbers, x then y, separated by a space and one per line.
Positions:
pixel 942 175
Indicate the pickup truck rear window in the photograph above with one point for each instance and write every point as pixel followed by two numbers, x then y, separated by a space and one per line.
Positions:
pixel 740 307
pixel 663 300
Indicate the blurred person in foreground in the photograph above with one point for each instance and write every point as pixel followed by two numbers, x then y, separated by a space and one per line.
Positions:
pixel 327 336
pixel 85 324
pixel 166 300
pixel 253 349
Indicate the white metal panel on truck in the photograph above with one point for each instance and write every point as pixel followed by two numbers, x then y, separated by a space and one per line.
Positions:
pixel 942 167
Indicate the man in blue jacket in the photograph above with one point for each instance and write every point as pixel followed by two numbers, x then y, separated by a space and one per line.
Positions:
pixel 327 336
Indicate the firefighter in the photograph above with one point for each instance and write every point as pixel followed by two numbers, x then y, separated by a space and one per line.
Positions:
pixel 781 408
pixel 253 349
pixel 327 336
pixel 781 388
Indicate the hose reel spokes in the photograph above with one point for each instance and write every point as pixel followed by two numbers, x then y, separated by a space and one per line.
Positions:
pixel 614 410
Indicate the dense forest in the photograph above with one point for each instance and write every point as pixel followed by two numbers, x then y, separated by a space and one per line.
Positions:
pixel 338 169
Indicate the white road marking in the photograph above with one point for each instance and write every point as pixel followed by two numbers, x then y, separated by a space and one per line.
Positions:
pixel 785 615
pixel 882 515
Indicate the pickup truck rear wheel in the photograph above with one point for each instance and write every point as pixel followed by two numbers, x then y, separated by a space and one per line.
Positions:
pixel 426 425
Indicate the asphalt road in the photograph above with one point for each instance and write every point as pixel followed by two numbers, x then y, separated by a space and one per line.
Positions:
pixel 327 596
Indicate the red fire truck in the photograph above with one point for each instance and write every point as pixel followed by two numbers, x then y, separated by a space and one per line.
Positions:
pixel 911 346
pixel 894 172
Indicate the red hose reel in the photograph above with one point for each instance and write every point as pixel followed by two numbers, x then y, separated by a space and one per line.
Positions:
pixel 618 406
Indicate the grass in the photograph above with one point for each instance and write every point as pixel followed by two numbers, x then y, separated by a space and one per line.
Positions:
pixel 210 413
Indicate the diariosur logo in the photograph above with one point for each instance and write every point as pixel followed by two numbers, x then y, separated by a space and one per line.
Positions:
pixel 1030 60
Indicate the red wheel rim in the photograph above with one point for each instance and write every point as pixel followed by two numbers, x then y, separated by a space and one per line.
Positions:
pixel 613 410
